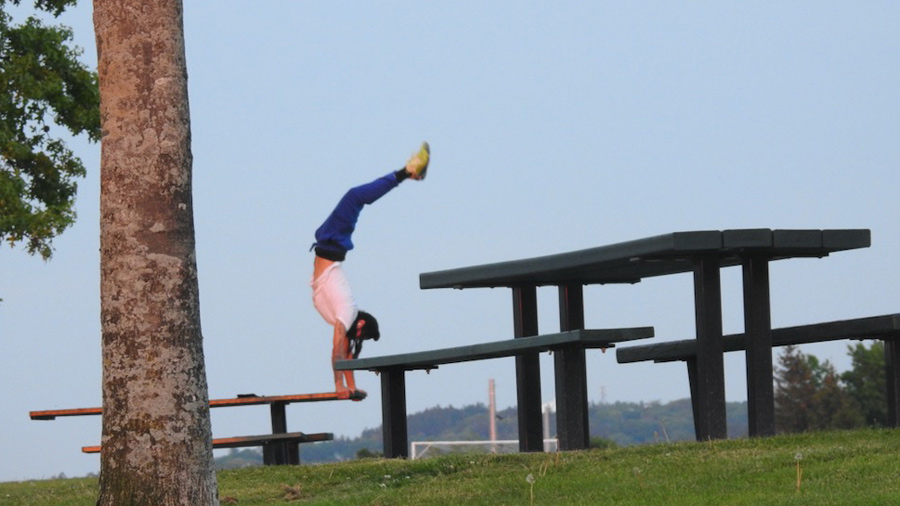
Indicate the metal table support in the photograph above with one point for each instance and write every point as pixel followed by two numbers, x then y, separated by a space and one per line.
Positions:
pixel 710 366
pixel 571 375
pixel 393 412
pixel 280 453
pixel 528 371
pixel 758 338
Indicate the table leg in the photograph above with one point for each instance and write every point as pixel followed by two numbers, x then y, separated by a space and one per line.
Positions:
pixel 892 368
pixel 280 453
pixel 711 423
pixel 393 413
pixel 691 364
pixel 758 335
pixel 571 375
pixel 528 371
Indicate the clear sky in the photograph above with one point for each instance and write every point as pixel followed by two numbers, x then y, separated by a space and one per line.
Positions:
pixel 554 126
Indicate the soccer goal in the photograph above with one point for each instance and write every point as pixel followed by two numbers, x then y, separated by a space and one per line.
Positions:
pixel 424 449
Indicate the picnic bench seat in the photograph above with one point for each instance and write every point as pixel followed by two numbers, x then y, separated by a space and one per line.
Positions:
pixel 884 327
pixel 392 369
pixel 271 443
pixel 240 400
pixel 278 450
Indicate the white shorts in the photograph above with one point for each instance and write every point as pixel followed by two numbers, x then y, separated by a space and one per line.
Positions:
pixel 333 298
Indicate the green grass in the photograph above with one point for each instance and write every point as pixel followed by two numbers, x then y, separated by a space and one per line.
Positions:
pixel 839 468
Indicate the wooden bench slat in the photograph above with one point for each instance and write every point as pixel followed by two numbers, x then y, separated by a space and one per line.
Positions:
pixel 289 399
pixel 217 403
pixel 244 441
pixel 290 437
pixel 876 327
pixel 588 338
pixel 53 413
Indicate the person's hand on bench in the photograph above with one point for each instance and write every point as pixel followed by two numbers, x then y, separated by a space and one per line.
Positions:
pixel 353 395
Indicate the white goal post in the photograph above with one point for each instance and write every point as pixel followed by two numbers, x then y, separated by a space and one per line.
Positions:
pixel 422 449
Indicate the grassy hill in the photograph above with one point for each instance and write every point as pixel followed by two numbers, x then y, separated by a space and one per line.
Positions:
pixel 840 468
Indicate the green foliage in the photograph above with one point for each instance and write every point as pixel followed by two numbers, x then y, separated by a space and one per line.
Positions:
pixel 833 407
pixel 796 383
pixel 846 467
pixel 42 83
pixel 54 7
pixel 601 443
pixel 867 382
pixel 366 453
pixel 239 458
pixel 810 395
pixel 631 423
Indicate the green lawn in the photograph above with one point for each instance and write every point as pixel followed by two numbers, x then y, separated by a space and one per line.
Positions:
pixel 839 468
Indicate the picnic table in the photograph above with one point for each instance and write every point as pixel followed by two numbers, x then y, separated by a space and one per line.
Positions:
pixel 703 253
pixel 279 448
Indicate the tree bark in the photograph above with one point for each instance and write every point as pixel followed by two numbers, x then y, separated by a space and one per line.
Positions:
pixel 157 440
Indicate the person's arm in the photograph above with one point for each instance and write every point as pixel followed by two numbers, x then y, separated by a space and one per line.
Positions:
pixel 344 381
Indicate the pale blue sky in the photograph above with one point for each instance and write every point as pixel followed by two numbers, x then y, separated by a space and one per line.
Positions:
pixel 554 126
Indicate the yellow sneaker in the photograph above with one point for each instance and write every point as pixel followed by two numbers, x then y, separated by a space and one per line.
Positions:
pixel 417 166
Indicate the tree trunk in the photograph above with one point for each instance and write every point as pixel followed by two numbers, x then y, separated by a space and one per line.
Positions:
pixel 157 440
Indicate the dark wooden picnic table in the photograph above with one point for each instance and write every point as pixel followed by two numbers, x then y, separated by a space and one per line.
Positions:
pixel 703 253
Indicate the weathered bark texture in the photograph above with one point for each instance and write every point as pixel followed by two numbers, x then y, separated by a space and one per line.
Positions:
pixel 157 447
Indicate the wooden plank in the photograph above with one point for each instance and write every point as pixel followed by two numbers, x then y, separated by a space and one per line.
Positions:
pixel 431 359
pixel 53 413
pixel 876 327
pixel 632 261
pixel 797 239
pixel 747 238
pixel 290 399
pixel 840 240
pixel 248 400
pixel 245 441
pixel 604 264
pixel 289 437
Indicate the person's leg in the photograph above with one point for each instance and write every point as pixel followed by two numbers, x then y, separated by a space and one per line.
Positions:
pixel 334 235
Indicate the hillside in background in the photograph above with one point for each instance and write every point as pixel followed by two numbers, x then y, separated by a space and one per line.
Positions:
pixel 624 423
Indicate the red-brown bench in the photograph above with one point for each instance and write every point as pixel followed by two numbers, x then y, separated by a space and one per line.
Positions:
pixel 279 448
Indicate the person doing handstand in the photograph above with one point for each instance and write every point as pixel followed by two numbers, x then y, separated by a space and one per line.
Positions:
pixel 332 296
